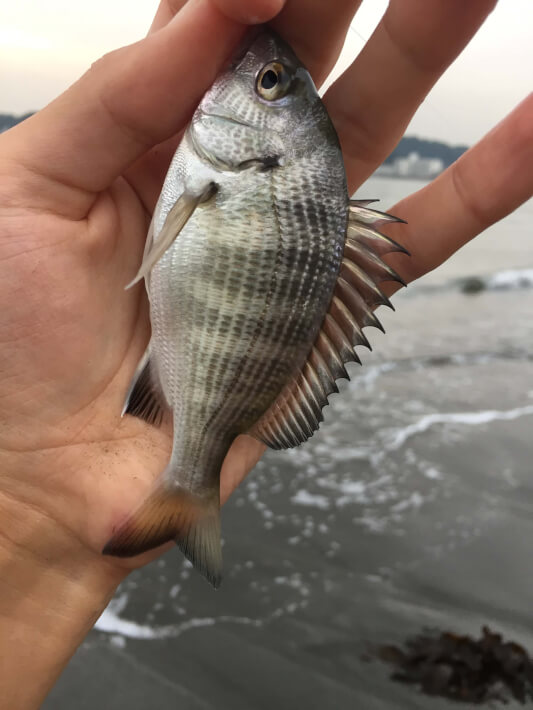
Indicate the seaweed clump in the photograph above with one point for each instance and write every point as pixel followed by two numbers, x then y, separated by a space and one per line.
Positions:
pixel 462 668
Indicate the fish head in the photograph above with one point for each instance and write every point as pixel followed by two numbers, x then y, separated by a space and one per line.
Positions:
pixel 263 110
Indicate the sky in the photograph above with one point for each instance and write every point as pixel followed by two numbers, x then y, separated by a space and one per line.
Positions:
pixel 45 46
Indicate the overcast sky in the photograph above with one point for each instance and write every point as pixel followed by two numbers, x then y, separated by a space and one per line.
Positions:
pixel 45 45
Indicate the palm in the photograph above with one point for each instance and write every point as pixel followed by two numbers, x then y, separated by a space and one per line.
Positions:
pixel 71 345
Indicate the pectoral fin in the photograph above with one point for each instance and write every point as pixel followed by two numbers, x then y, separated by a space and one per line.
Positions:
pixel 176 219
pixel 297 412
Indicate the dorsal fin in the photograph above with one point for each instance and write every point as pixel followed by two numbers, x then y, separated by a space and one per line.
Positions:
pixel 297 412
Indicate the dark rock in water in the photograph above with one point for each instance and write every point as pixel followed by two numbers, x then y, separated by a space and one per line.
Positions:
pixel 473 284
pixel 462 668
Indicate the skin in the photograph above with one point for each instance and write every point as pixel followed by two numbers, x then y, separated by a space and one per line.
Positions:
pixel 78 182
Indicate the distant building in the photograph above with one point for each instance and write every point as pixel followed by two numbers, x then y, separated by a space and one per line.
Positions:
pixel 413 166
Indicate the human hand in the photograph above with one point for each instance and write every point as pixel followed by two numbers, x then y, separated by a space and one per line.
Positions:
pixel 78 182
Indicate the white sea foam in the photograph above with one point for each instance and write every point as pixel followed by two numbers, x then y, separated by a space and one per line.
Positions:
pixel 511 279
pixel 352 492
pixel 303 497
pixel 369 375
pixel 118 641
pixel 432 473
pixel 467 418
pixel 382 500
pixel 112 623
pixel 415 500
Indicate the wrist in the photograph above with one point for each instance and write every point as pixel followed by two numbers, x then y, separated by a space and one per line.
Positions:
pixel 52 590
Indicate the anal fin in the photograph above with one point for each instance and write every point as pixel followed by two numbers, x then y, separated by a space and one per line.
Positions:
pixel 296 413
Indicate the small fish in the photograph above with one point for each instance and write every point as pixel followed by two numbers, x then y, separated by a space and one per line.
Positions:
pixel 261 275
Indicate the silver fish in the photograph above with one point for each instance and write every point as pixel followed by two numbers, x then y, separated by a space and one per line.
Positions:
pixel 261 275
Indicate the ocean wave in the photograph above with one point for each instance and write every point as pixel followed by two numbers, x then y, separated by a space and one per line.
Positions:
pixel 385 491
pixel 111 622
pixel 368 377
pixel 303 497
pixel 401 436
pixel 504 280
pixel 511 279
pixel 114 622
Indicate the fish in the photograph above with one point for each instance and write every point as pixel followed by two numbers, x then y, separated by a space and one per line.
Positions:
pixel 261 275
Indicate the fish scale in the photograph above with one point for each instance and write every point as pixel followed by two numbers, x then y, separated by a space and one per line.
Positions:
pixel 301 322
pixel 261 275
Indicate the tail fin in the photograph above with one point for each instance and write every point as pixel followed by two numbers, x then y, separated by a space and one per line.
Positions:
pixel 192 522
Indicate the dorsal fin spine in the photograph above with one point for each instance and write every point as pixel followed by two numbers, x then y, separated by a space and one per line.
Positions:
pixel 331 355
pixel 291 424
pixel 340 340
pixel 323 371
pixel 369 260
pixel 305 404
pixel 360 213
pixel 336 336
pixel 372 238
pixel 280 434
pixel 308 403
pixel 356 304
pixel 299 415
pixel 313 380
pixel 272 435
pixel 310 396
pixel 362 282
pixel 348 323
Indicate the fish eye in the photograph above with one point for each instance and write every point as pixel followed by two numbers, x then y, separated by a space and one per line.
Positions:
pixel 273 81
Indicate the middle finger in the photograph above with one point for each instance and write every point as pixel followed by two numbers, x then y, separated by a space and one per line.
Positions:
pixel 316 31
pixel 374 100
